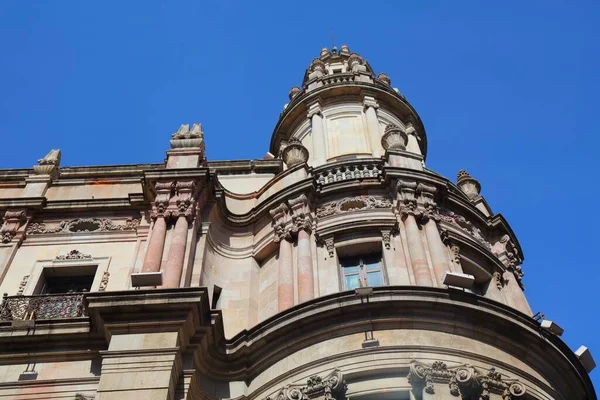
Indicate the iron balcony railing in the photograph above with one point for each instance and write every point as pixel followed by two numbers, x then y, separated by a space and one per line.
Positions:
pixel 42 307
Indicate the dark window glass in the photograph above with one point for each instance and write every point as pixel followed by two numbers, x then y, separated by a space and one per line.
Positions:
pixel 362 271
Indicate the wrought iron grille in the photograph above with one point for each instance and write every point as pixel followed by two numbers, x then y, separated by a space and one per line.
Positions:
pixel 68 305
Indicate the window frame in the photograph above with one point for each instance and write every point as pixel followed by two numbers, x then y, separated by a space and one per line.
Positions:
pixel 362 269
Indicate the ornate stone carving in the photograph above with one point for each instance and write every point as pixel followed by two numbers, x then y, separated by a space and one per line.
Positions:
pixel 467 184
pixel 358 170
pixel 356 63
pixel 407 199
pixel 344 50
pixel 384 78
pixel 294 92
pixel 331 387
pixel 84 225
pixel 280 229
pixel 394 138
pixel 463 224
pixel 349 204
pixel 317 69
pixel 330 245
pixel 73 255
pixel 508 253
pixel 386 237
pixel 463 380
pixel 188 138
pixel 104 281
pixel 12 222
pixel 185 199
pixel 49 164
pixel 426 199
pixel 294 153
pixel 22 285
pixel 455 255
pixel 499 280
pixel 164 191
pixel 301 217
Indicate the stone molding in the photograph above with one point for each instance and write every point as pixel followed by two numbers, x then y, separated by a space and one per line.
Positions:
pixel 73 255
pixel 463 380
pixel 330 387
pixel 84 225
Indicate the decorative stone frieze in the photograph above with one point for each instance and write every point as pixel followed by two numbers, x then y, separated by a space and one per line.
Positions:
pixel 467 184
pixel 330 387
pixel 84 225
pixel 294 153
pixel 394 138
pixel 464 225
pixel 49 164
pixel 463 380
pixel 186 138
pixel 350 204
pixel 12 223
pixel 73 255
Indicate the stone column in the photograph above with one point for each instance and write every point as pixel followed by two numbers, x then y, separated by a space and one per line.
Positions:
pixel 185 212
pixel 285 282
pixel 407 205
pixel 370 107
pixel 305 268
pixel 156 246
pixel 437 251
pixel 318 135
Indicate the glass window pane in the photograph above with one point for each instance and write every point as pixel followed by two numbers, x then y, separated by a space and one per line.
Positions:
pixel 350 262
pixel 351 270
pixel 372 265
pixel 374 279
pixel 352 281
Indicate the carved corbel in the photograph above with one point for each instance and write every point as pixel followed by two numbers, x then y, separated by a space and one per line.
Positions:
pixel 12 222
pixel 164 192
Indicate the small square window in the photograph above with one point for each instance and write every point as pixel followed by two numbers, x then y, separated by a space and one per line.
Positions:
pixel 362 271
pixel 66 280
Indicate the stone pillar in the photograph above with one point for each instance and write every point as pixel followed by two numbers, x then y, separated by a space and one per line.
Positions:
pixel 416 250
pixel 285 283
pixel 370 107
pixel 318 135
pixel 185 212
pixel 515 292
pixel 174 264
pixel 156 246
pixel 305 267
pixel 437 251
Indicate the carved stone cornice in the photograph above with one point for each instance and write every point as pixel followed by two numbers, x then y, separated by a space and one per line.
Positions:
pixel 330 387
pixel 11 224
pixel 84 225
pixel 463 380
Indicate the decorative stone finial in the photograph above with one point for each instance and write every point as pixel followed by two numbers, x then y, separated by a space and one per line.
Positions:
pixel 294 153
pixel 324 52
pixel 317 66
pixel 344 50
pixel 394 138
pixel 49 164
pixel 383 78
pixel 186 138
pixel 356 63
pixel 294 92
pixel 467 184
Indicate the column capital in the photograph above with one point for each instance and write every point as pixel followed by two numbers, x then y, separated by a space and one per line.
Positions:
pixel 11 224
pixel 370 101
pixel 314 109
pixel 164 191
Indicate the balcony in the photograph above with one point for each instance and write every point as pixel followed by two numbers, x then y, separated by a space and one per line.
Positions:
pixel 42 307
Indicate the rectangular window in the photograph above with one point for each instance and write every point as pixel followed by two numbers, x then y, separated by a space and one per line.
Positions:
pixel 362 271
pixel 72 279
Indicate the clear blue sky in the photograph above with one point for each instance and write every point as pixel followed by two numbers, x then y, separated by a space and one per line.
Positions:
pixel 507 90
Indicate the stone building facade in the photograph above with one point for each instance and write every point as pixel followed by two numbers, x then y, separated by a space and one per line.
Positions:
pixel 315 273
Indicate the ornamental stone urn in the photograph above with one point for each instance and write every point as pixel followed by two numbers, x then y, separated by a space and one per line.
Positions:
pixel 468 184
pixel 294 153
pixel 188 138
pixel 394 138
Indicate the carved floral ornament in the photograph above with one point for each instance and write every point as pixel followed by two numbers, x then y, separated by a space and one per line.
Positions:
pixel 11 224
pixel 464 380
pixel 84 225
pixel 330 387
pixel 290 218
pixel 73 255
pixel 349 204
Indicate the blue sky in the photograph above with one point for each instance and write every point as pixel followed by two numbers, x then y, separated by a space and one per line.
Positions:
pixel 506 90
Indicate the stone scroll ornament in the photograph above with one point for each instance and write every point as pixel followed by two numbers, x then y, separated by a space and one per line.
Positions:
pixel 330 387
pixel 464 380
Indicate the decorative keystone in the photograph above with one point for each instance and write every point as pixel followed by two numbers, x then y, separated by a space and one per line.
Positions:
pixel 294 153
pixel 394 138
pixel 49 164
pixel 185 138
pixel 384 78
pixel 467 184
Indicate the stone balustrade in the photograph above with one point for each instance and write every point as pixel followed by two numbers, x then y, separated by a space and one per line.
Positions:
pixel 355 170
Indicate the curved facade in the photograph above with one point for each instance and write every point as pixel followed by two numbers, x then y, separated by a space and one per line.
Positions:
pixel 314 273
